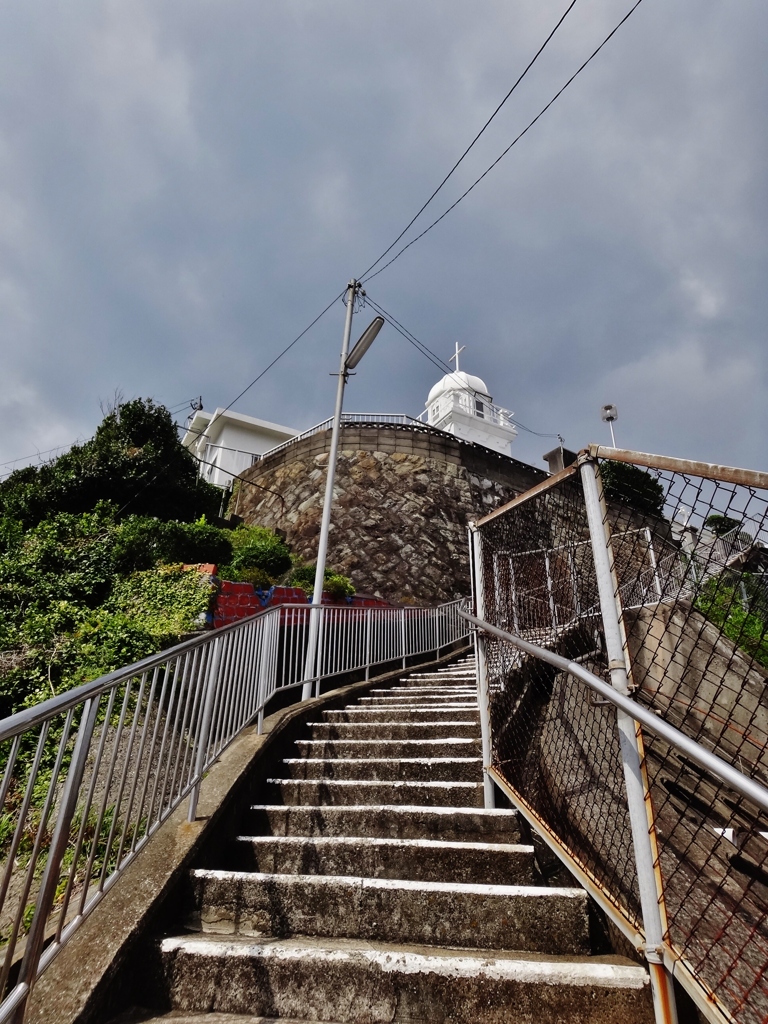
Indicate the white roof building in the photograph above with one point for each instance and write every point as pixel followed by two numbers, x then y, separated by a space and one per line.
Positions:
pixel 228 442
pixel 462 405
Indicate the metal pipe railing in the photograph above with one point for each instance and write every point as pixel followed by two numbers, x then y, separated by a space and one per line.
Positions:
pixel 90 775
pixel 742 784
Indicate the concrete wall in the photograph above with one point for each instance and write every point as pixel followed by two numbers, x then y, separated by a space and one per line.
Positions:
pixel 402 501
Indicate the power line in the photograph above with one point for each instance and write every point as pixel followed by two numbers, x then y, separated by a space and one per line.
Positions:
pixel 35 455
pixel 501 156
pixel 474 140
pixel 440 363
pixel 275 360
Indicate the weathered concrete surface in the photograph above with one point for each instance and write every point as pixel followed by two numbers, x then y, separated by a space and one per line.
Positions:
pixel 702 681
pixel 452 824
pixel 380 984
pixel 415 859
pixel 386 769
pixel 402 499
pixel 441 747
pixel 354 791
pixel 458 728
pixel 320 920
pixel 527 917
pixel 83 970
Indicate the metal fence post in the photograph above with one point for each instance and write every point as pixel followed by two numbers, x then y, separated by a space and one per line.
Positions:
pixel 205 726
pixel 402 634
pixel 599 531
pixel 58 847
pixel 481 667
pixel 368 613
pixel 654 563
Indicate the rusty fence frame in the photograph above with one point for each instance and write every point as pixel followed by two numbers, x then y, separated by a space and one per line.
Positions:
pixel 651 937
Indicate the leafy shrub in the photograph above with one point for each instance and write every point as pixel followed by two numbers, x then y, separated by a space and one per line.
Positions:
pixel 722 600
pixel 134 460
pixel 167 601
pixel 720 525
pixel 256 547
pixel 141 543
pixel 257 577
pixel 335 584
pixel 632 486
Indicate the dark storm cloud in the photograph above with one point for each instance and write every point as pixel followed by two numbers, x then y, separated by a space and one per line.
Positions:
pixel 183 186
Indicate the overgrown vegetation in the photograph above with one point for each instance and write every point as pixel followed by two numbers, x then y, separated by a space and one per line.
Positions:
pixel 134 460
pixel 334 584
pixel 739 607
pixel 92 549
pixel 632 486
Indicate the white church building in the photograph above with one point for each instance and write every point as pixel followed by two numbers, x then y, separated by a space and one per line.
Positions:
pixel 461 405
pixel 227 442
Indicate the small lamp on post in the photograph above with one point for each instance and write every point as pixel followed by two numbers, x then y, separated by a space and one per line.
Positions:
pixel 609 414
pixel 349 361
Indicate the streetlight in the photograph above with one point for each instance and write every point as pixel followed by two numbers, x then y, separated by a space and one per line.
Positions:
pixel 609 414
pixel 349 361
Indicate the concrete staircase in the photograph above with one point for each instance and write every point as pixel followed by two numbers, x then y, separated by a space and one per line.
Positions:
pixel 374 887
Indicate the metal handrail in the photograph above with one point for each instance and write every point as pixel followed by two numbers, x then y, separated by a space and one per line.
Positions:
pixel 741 783
pixel 91 774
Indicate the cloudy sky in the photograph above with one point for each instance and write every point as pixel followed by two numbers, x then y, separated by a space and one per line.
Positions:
pixel 185 184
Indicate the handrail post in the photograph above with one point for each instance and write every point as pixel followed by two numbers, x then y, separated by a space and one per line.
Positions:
pixel 654 564
pixel 402 635
pixel 665 1009
pixel 481 667
pixel 205 726
pixel 368 613
pixel 50 879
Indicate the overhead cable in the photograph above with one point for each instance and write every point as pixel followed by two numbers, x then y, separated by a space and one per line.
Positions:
pixel 501 156
pixel 277 358
pixel 472 143
pixel 440 363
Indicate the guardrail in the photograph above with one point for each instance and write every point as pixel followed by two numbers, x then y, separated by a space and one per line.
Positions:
pixel 90 775
pixel 394 418
pixel 652 785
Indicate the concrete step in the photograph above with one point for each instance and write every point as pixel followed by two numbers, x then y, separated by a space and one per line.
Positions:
pixel 389 748
pixel 402 714
pixel 422 860
pixel 536 919
pixel 355 791
pixel 375 982
pixel 404 696
pixel 461 728
pixel 441 677
pixel 451 824
pixel 402 769
pixel 434 681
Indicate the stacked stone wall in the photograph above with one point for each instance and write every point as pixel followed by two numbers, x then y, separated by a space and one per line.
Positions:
pixel 402 501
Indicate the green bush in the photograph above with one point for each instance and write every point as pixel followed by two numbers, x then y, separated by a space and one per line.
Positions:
pixel 257 577
pixel 256 547
pixel 134 460
pixel 141 543
pixel 334 584
pixel 722 600
pixel 632 486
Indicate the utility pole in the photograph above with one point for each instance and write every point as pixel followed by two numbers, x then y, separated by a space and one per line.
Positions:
pixel 322 549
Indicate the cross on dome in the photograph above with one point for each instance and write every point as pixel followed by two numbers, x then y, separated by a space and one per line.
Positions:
pixel 456 354
pixel 461 404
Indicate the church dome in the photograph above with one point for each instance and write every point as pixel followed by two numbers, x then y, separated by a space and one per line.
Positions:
pixel 458 381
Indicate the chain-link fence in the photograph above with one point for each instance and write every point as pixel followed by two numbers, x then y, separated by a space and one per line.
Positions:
pixel 688 548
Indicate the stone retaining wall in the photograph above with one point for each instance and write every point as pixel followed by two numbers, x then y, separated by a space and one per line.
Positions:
pixel 402 501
